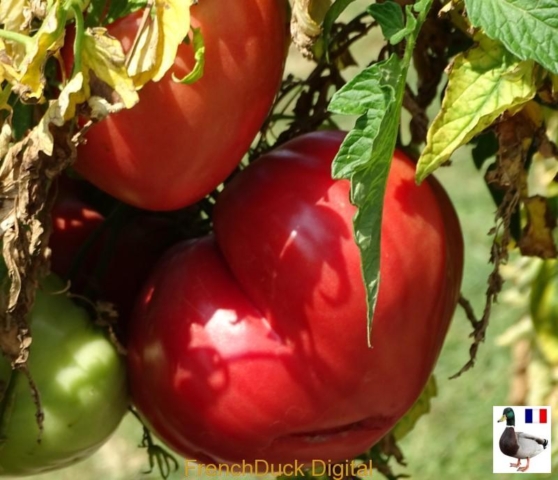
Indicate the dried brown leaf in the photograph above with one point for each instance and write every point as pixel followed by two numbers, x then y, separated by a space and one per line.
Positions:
pixel 25 179
pixel 45 42
pixel 515 137
pixel 536 239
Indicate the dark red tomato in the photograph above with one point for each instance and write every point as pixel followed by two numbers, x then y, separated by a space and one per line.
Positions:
pixel 252 344
pixel 181 141
pixel 107 260
pixel 73 223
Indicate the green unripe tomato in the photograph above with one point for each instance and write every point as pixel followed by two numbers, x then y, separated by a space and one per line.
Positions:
pixel 81 380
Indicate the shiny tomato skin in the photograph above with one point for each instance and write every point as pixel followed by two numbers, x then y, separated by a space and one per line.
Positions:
pixel 251 345
pixel 181 141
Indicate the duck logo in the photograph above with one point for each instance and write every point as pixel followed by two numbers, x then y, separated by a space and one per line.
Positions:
pixel 524 435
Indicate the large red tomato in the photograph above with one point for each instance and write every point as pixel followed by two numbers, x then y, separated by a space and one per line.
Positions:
pixel 181 141
pixel 252 344
pixel 106 261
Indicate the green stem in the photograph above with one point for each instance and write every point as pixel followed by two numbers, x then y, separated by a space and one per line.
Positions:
pixel 20 38
pixel 410 47
pixel 78 41
pixel 71 4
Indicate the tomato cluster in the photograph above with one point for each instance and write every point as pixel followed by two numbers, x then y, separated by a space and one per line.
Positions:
pixel 249 343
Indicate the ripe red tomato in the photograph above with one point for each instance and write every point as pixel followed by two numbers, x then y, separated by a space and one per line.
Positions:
pixel 116 258
pixel 73 223
pixel 251 344
pixel 182 141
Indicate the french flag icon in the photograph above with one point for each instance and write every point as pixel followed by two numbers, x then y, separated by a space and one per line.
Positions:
pixel 536 415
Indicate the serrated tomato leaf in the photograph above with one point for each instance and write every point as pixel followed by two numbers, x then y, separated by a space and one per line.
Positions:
pixel 368 96
pixel 390 17
pixel 376 94
pixel 528 29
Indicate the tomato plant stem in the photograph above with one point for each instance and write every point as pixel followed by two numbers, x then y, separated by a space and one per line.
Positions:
pixel 20 38
pixel 78 41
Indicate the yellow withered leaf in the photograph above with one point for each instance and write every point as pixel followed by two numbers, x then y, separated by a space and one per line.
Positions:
pixel 73 93
pixel 7 71
pixel 12 15
pixel 62 109
pixel 483 83
pixel 104 70
pixel 5 139
pixel 155 50
pixel 48 39
pixel 15 17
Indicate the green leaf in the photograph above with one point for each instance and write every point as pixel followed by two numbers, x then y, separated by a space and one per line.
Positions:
pixel 484 82
pixel 420 407
pixel 369 96
pixel 365 160
pixel 390 17
pixel 121 8
pixel 422 6
pixel 364 95
pixel 528 29
pixel 199 56
pixel 376 94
